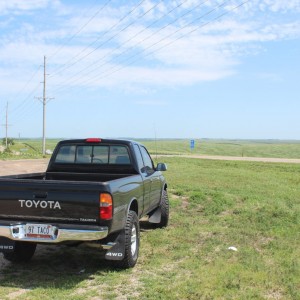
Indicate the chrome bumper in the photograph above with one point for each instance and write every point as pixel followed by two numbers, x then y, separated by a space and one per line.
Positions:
pixel 17 233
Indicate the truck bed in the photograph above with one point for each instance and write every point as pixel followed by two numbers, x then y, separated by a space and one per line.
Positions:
pixel 59 197
pixel 68 176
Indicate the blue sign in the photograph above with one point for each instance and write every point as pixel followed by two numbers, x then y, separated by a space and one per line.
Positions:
pixel 192 144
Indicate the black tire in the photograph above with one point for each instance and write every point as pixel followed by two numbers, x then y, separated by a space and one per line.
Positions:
pixel 23 252
pixel 164 207
pixel 132 242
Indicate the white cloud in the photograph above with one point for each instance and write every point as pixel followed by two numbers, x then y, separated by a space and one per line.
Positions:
pixel 281 6
pixel 141 54
pixel 17 6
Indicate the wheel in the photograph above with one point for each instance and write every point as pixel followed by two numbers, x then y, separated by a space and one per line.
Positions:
pixel 164 207
pixel 132 242
pixel 23 252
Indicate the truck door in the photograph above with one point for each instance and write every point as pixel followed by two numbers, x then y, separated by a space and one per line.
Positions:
pixel 146 178
pixel 152 181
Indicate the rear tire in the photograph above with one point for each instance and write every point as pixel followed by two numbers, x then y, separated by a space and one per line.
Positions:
pixel 23 252
pixel 164 207
pixel 132 242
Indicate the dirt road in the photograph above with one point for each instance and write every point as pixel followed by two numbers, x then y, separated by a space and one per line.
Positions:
pixel 10 167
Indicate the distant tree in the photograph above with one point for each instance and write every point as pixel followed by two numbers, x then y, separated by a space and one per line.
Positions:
pixel 10 141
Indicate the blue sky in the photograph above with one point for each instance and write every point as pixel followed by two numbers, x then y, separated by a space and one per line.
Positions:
pixel 174 69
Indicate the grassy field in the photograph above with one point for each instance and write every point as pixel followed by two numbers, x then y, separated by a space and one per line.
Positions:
pixel 242 148
pixel 261 148
pixel 254 207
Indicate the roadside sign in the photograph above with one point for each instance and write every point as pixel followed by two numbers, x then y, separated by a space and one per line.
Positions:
pixel 192 144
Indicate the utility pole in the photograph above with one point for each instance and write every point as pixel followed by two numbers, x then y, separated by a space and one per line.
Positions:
pixel 6 125
pixel 44 109
pixel 44 101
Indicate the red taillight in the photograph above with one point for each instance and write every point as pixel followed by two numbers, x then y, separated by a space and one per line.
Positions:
pixel 106 207
pixel 93 140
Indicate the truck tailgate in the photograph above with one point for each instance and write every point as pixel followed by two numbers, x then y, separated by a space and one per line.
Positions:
pixel 50 200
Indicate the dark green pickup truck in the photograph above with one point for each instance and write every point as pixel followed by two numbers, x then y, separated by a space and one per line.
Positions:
pixel 94 191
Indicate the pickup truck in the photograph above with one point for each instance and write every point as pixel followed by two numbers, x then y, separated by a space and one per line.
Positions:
pixel 94 191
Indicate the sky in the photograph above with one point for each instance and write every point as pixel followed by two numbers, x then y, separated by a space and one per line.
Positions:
pixel 150 68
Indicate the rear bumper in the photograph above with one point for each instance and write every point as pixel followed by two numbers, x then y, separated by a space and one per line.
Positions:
pixel 17 233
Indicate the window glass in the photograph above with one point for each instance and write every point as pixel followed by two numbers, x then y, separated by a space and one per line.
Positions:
pixel 91 154
pixel 84 154
pixel 147 160
pixel 138 157
pixel 66 154
pixel 100 155
pixel 119 155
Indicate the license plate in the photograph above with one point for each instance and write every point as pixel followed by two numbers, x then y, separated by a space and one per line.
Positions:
pixel 41 231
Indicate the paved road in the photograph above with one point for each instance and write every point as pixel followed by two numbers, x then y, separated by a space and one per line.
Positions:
pixel 10 167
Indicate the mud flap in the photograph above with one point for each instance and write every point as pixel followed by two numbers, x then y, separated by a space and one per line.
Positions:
pixel 117 251
pixel 155 217
pixel 7 245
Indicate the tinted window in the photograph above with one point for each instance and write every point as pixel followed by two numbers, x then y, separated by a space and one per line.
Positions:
pixel 93 154
pixel 66 154
pixel 119 155
pixel 100 154
pixel 147 159
pixel 138 157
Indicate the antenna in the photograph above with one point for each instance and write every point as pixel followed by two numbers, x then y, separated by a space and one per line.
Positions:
pixel 155 138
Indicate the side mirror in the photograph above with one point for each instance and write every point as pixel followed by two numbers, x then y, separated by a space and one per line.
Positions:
pixel 161 167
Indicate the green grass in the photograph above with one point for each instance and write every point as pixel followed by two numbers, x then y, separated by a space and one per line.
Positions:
pixel 214 205
pixel 242 148
pixel 26 148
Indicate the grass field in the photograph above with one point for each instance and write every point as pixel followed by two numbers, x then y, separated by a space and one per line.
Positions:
pixel 252 206
pixel 242 148
pixel 261 148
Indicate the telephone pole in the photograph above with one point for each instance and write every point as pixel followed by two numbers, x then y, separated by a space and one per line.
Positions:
pixel 44 109
pixel 6 126
pixel 44 101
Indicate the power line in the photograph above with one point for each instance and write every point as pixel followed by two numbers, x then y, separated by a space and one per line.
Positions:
pixel 173 41
pixel 67 65
pixel 111 71
pixel 140 42
pixel 31 108
pixel 21 107
pixel 23 88
pixel 128 40
pixel 163 39
pixel 23 104
pixel 82 27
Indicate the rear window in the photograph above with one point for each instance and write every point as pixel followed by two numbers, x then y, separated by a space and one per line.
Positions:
pixel 93 154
